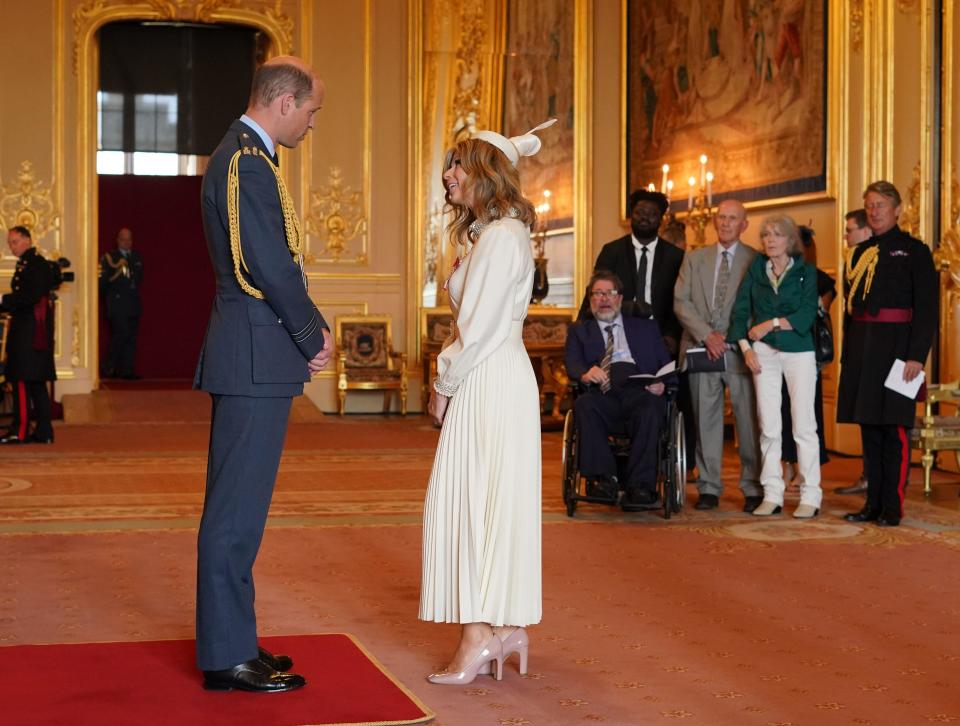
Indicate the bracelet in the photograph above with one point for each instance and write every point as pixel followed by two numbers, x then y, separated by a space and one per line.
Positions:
pixel 444 389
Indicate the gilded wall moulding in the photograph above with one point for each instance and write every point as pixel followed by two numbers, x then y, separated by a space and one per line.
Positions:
pixel 93 13
pixel 336 216
pixel 27 201
pixel 856 24
pixel 910 218
pixel 75 343
pixel 947 255
pixel 469 85
pixel 908 6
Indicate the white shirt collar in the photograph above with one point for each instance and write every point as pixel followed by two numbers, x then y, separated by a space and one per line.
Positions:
pixel 732 249
pixel 264 136
pixel 616 321
pixel 651 246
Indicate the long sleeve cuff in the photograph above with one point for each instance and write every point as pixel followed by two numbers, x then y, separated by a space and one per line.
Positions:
pixel 444 389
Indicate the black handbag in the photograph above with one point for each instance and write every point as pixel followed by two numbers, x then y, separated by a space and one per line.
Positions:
pixel 823 337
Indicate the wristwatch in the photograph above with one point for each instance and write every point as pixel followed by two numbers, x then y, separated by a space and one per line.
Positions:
pixel 776 323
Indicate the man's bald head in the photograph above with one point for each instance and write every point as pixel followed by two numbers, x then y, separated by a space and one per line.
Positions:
pixel 730 221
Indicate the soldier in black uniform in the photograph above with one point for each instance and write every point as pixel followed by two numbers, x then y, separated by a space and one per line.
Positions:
pixel 264 339
pixel 29 340
pixel 121 274
pixel 892 313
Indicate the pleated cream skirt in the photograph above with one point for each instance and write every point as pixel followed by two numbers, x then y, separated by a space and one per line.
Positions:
pixel 481 520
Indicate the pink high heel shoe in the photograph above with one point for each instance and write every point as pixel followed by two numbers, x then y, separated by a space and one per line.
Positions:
pixel 491 653
pixel 516 642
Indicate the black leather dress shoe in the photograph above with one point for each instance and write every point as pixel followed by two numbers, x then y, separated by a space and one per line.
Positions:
pixel 34 439
pixel 751 503
pixel 864 515
pixel 884 521
pixel 639 499
pixel 281 663
pixel 603 488
pixel 254 675
pixel 10 439
pixel 707 501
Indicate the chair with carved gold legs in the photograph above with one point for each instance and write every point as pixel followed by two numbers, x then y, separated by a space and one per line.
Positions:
pixel 937 433
pixel 366 360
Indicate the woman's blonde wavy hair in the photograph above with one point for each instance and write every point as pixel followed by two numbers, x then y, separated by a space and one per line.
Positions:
pixel 495 183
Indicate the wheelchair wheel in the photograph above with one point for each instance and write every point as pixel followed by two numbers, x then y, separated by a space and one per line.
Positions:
pixel 568 464
pixel 679 463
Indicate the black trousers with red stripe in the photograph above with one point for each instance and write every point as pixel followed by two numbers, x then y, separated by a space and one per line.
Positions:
pixel 886 453
pixel 31 400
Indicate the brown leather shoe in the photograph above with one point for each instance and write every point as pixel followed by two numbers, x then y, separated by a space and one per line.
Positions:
pixel 858 487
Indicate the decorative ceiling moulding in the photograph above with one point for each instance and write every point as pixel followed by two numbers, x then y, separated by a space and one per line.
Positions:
pixel 267 16
pixel 337 215
pixel 27 201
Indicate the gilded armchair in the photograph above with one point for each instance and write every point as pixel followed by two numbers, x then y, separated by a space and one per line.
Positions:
pixel 366 360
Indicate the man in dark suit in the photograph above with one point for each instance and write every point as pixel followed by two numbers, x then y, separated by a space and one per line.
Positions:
pixel 121 274
pixel 264 339
pixel 602 352
pixel 29 340
pixel 647 265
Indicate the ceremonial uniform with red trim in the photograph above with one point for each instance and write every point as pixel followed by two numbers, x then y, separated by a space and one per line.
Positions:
pixel 30 344
pixel 896 318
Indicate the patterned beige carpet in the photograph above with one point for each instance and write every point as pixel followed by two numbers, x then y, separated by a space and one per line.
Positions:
pixel 711 618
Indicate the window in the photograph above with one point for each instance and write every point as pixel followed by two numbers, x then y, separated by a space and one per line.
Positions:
pixel 155 137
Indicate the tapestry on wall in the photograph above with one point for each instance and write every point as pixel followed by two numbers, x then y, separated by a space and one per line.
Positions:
pixel 742 81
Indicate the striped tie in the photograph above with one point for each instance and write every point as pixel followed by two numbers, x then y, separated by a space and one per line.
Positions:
pixel 607 358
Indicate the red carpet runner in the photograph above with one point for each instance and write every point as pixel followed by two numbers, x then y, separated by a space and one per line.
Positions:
pixel 155 682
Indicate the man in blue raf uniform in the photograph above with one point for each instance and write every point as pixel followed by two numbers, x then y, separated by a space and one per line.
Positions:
pixel 29 340
pixel 263 341
pixel 121 275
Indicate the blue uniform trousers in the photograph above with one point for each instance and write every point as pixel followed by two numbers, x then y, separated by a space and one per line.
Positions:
pixel 246 441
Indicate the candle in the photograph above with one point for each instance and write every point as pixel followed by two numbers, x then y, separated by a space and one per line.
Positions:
pixel 669 189
pixel 693 183
pixel 663 180
pixel 651 187
pixel 709 188
pixel 703 170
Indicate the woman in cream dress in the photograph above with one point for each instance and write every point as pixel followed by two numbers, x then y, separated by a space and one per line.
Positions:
pixel 481 528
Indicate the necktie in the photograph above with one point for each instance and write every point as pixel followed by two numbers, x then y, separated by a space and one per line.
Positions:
pixel 607 358
pixel 720 292
pixel 641 295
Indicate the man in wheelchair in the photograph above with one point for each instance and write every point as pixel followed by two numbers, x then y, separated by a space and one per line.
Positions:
pixel 602 353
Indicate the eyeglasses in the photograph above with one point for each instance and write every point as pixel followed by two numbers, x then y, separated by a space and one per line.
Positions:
pixel 604 293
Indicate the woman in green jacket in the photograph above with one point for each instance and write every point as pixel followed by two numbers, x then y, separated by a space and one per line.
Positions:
pixel 772 322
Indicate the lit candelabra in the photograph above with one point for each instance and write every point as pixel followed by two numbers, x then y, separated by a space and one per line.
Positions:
pixel 699 200
pixel 541 284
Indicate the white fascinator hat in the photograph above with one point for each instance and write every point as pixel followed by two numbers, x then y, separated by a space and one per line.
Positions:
pixel 526 144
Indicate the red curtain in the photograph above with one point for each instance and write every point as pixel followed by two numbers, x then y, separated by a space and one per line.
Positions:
pixel 163 213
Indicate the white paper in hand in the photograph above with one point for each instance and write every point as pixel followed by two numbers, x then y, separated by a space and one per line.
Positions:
pixel 896 383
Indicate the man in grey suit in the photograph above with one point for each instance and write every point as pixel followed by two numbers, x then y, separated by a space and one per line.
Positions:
pixel 264 339
pixel 703 298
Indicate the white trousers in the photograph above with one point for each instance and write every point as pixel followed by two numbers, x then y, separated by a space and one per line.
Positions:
pixel 800 372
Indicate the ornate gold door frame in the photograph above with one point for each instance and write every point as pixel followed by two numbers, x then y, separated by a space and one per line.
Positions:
pixel 88 18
